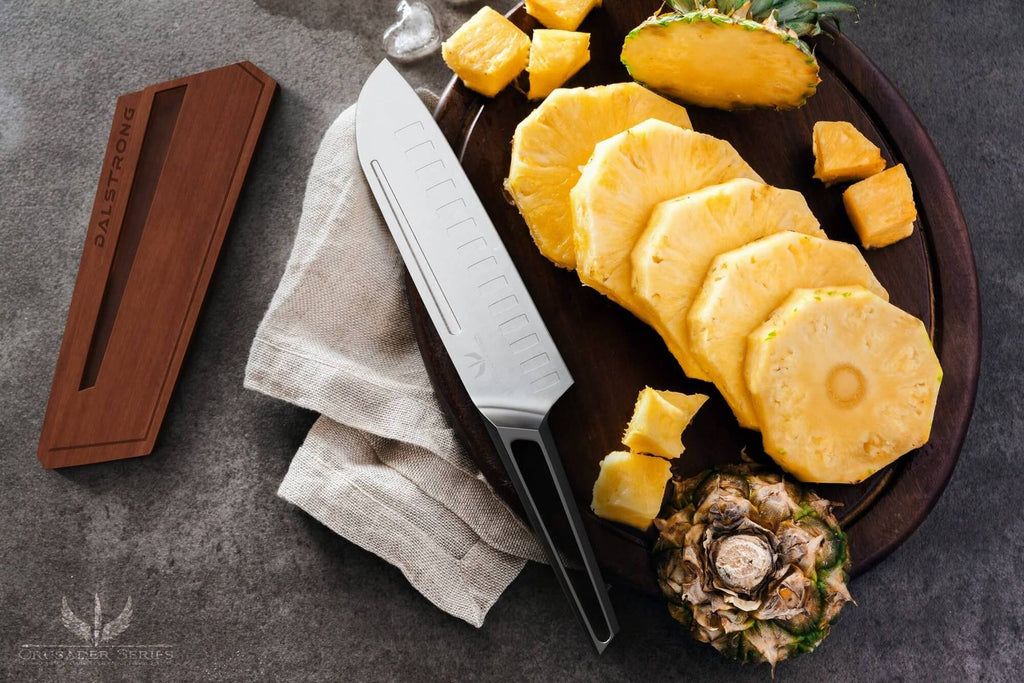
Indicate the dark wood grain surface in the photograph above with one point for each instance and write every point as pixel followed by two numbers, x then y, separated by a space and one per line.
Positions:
pixel 612 355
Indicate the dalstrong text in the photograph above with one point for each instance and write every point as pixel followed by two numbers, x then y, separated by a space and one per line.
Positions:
pixel 113 176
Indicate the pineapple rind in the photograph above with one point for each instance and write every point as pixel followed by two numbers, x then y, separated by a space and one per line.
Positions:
pixel 671 83
pixel 552 144
pixel 743 287
pixel 685 234
pixel 846 385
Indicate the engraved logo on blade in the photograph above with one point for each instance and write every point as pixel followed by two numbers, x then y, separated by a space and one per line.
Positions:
pixel 477 362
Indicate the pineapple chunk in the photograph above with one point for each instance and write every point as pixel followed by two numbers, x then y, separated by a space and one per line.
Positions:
pixel 714 60
pixel 556 139
pixel 555 57
pixel 683 236
pixel 745 285
pixel 842 153
pixel 630 488
pixel 628 175
pixel 843 384
pixel 487 52
pixel 882 208
pixel 566 15
pixel 659 419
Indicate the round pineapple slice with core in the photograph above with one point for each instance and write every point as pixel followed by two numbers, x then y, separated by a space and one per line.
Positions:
pixel 685 234
pixel 843 383
pixel 745 285
pixel 628 175
pixel 556 140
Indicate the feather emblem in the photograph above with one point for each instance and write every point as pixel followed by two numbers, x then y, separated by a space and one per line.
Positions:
pixel 98 632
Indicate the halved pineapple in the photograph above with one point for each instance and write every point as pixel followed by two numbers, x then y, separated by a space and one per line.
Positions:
pixel 745 285
pixel 487 52
pixel 842 153
pixel 556 139
pixel 555 56
pixel 658 421
pixel 716 60
pixel 683 236
pixel 566 15
pixel 630 487
pixel 628 175
pixel 843 383
pixel 882 207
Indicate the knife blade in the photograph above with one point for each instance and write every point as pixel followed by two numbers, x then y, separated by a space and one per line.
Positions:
pixel 485 317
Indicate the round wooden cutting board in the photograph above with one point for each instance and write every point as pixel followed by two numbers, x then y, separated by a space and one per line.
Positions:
pixel 612 355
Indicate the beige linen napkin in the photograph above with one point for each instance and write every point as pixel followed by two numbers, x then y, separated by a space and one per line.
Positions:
pixel 380 466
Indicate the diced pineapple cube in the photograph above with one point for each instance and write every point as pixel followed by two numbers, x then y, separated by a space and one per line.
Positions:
pixel 659 419
pixel 882 208
pixel 487 52
pixel 842 153
pixel 555 56
pixel 566 15
pixel 629 488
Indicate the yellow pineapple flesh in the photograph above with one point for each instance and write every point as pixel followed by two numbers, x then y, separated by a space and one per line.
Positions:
pixel 566 15
pixel 556 140
pixel 882 208
pixel 843 383
pixel 555 57
pixel 744 286
pixel 658 421
pixel 627 176
pixel 629 488
pixel 842 153
pixel 487 52
pixel 713 60
pixel 685 234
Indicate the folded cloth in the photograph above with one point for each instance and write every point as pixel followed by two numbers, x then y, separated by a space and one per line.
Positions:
pixel 380 466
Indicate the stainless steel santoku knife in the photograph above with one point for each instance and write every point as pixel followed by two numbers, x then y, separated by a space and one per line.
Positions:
pixel 484 315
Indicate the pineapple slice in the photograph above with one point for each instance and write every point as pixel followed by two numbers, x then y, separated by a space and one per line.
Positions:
pixel 716 60
pixel 745 285
pixel 842 153
pixel 882 208
pixel 628 175
pixel 683 236
pixel 566 15
pixel 658 421
pixel 487 52
pixel 843 384
pixel 555 57
pixel 552 143
pixel 629 488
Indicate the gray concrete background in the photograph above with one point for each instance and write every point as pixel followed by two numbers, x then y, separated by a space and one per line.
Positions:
pixel 246 587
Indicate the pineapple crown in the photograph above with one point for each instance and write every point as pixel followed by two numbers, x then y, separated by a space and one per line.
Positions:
pixel 798 17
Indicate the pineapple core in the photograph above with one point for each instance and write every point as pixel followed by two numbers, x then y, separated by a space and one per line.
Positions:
pixel 659 419
pixel 842 153
pixel 555 57
pixel 882 208
pixel 629 488
pixel 566 15
pixel 487 52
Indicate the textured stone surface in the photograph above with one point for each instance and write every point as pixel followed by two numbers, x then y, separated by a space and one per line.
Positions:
pixel 245 586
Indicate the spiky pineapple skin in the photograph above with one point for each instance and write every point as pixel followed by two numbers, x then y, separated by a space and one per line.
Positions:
pixel 691 508
pixel 666 21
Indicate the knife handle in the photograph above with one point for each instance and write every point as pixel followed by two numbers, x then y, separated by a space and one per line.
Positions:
pixel 536 471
